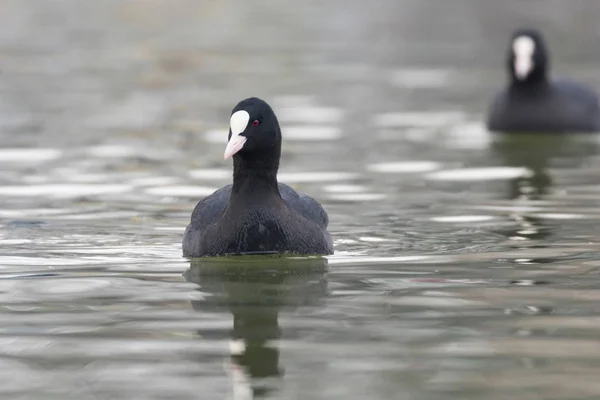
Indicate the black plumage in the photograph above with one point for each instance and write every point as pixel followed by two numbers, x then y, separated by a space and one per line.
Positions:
pixel 533 102
pixel 256 214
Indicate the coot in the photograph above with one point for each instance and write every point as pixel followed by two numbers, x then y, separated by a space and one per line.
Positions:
pixel 256 214
pixel 533 102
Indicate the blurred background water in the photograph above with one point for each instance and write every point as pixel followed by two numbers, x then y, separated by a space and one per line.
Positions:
pixel 466 263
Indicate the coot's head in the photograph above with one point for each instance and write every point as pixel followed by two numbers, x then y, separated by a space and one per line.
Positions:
pixel 254 131
pixel 528 58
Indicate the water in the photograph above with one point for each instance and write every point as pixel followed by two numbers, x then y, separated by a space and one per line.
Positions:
pixel 466 263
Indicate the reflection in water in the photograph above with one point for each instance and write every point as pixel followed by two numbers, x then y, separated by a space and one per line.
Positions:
pixel 255 290
pixel 538 153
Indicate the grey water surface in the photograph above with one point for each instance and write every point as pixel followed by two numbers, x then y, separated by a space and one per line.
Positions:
pixel 466 263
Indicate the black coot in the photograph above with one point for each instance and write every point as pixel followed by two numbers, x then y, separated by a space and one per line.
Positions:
pixel 256 215
pixel 533 102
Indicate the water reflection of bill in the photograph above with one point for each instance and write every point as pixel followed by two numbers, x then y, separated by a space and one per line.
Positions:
pixel 255 289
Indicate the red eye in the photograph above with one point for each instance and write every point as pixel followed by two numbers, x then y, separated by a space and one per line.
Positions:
pixel 255 122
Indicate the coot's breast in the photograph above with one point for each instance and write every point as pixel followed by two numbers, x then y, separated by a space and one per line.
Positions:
pixel 564 106
pixel 300 226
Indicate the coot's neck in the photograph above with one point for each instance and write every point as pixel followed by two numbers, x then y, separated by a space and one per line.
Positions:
pixel 537 80
pixel 255 175
pixel 529 85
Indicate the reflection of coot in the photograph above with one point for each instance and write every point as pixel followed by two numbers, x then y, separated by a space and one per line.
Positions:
pixel 538 154
pixel 254 290
pixel 533 102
